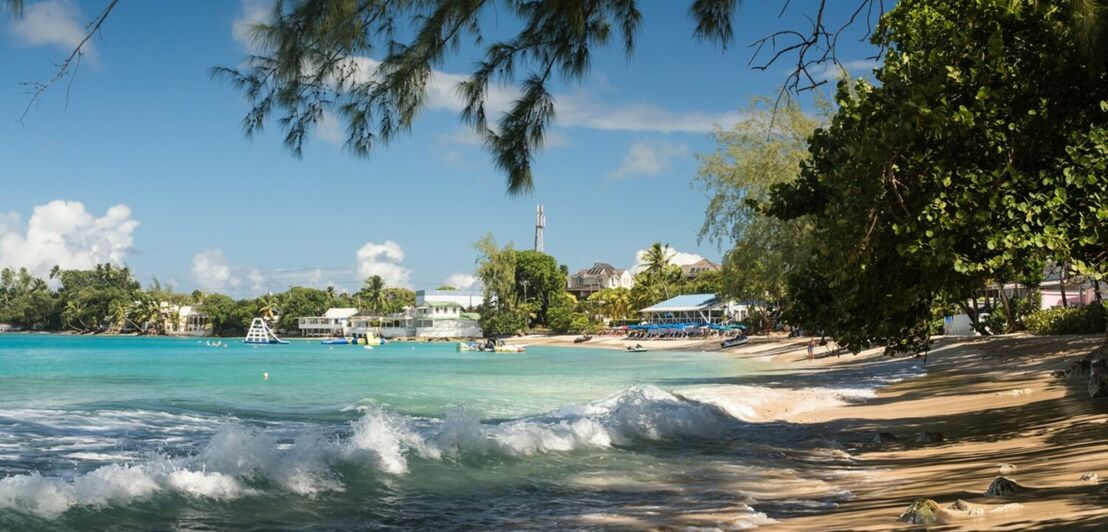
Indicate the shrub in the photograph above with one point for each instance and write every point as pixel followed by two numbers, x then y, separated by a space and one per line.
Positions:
pixel 1070 320
pixel 495 322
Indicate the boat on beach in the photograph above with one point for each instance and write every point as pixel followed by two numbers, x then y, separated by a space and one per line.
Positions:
pixel 734 341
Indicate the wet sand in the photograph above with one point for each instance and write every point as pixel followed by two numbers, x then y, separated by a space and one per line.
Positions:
pixel 992 399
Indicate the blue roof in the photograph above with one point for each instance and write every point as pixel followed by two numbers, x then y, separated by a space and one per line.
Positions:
pixel 684 303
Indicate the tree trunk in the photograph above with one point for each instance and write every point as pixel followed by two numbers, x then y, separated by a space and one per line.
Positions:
pixel 1010 318
pixel 1096 290
pixel 1062 286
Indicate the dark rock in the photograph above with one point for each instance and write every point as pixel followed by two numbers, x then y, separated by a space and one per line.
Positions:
pixel 922 512
pixel 963 506
pixel 959 505
pixel 1002 487
pixel 929 437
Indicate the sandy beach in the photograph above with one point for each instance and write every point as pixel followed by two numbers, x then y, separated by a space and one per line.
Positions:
pixel 992 407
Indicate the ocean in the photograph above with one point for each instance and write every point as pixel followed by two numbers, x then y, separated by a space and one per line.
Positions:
pixel 163 433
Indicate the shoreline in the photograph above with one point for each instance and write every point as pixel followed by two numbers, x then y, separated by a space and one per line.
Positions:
pixel 990 404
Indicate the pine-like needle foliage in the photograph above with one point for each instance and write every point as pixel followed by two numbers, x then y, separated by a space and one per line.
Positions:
pixel 314 56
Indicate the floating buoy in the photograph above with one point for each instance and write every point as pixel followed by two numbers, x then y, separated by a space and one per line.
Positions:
pixel 265 375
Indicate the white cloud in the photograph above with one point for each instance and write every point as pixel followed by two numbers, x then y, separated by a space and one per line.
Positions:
pixel 253 12
pixel 257 280
pixel 330 130
pixel 211 272
pixel 650 158
pixel 384 260
pixel 63 233
pixel 52 23
pixel 461 281
pixel 832 71
pixel 679 258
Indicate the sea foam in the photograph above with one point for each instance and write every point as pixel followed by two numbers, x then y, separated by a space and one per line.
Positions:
pixel 241 460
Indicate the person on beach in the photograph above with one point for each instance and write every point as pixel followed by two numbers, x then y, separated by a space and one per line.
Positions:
pixel 812 349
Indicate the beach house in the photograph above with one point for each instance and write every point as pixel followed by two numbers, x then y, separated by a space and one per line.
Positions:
pixel 436 314
pixel 600 276
pixel 695 308
pixel 334 322
pixel 188 321
pixel 698 268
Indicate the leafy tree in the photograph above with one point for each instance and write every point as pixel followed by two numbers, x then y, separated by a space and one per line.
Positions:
pixel 709 282
pixel 496 267
pixel 762 150
pixel 396 299
pixel 269 307
pixel 26 301
pixel 446 287
pixel 614 303
pixel 299 302
pixel 981 154
pixel 96 296
pixel 222 313
pixel 659 276
pixel 538 279
pixel 497 321
pixel 372 294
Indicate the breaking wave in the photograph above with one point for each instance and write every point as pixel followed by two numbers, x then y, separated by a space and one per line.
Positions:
pixel 240 460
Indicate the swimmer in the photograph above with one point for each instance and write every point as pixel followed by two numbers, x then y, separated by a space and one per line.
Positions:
pixel 265 375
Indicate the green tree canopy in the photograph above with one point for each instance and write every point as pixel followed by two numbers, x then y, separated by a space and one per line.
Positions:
pixel 538 279
pixel 762 150
pixel 979 155
pixel 496 267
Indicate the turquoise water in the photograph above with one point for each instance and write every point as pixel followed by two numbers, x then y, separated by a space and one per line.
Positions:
pixel 157 433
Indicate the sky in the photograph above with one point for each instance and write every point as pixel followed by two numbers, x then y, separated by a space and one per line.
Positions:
pixel 139 159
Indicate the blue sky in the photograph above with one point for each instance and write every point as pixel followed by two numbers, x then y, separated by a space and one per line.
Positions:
pixel 145 127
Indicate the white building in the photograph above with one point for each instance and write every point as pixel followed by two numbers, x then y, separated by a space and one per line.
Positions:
pixel 467 299
pixel 334 322
pixel 184 320
pixel 600 276
pixel 430 319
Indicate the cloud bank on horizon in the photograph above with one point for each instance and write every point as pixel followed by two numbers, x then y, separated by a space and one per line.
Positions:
pixel 63 233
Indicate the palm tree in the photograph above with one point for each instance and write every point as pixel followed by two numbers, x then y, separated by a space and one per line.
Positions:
pixel 373 293
pixel 657 266
pixel 118 310
pixel 74 311
pixel 267 307
pixel 146 311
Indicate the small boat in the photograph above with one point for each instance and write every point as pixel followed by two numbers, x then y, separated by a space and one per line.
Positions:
pixel 735 341
pixel 510 349
pixel 335 341
pixel 582 339
pixel 636 349
pixel 466 346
